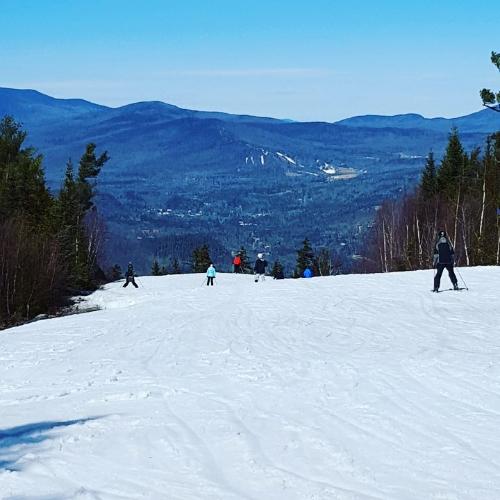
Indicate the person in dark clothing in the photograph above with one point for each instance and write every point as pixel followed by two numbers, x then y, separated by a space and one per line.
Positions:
pixel 444 256
pixel 279 275
pixel 260 268
pixel 130 276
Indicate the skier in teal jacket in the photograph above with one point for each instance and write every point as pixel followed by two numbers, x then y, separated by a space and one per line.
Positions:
pixel 211 275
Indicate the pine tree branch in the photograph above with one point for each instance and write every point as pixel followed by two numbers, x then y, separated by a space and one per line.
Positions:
pixel 494 108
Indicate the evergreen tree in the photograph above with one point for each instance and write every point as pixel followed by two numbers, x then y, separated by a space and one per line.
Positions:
pixel 201 259
pixel 176 268
pixel 31 278
pixel 452 166
pixel 74 203
pixel 490 98
pixel 49 246
pixel 115 273
pixel 404 230
pixel 155 268
pixel 428 181
pixel 496 155
pixel 23 192
pixel 246 267
pixel 89 168
pixel 472 170
pixel 467 202
pixel 305 258
pixel 70 232
pixel 277 270
pixel 488 234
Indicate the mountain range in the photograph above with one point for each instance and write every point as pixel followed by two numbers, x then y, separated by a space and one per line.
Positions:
pixel 179 177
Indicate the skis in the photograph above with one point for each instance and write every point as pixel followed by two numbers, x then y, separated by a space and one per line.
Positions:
pixel 450 290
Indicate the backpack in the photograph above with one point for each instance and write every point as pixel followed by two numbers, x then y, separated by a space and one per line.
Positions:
pixel 237 260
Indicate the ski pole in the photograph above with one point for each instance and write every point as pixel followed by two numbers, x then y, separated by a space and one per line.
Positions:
pixel 465 284
pixel 140 282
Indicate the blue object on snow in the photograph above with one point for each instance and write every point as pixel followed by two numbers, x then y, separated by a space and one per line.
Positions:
pixel 308 273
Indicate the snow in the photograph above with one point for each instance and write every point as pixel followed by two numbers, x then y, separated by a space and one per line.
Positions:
pixel 283 156
pixel 330 170
pixel 350 387
pixel 406 156
pixel 339 173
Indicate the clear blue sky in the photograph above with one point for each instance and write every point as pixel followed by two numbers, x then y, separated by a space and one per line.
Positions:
pixel 306 60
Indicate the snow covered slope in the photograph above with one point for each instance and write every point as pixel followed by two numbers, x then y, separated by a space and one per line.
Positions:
pixel 350 387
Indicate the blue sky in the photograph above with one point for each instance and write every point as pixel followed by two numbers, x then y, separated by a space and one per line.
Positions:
pixel 305 60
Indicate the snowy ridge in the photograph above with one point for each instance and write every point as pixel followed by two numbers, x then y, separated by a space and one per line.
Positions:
pixel 286 158
pixel 350 387
pixel 296 169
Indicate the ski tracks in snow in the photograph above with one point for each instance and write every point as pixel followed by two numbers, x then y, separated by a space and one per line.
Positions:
pixel 349 388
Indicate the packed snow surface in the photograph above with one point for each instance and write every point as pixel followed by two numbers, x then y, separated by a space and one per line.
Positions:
pixel 349 387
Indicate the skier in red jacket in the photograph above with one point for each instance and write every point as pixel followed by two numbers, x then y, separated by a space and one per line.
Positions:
pixel 237 263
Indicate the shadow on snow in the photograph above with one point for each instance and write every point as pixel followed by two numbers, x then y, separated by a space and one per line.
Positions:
pixel 15 441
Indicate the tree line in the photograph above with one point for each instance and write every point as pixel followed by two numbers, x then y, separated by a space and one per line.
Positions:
pixel 460 195
pixel 324 263
pixel 49 244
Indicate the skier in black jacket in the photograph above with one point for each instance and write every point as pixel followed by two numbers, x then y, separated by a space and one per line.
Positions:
pixel 444 256
pixel 130 276
pixel 260 268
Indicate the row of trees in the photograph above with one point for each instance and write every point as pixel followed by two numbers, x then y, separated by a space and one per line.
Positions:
pixel 200 260
pixel 49 245
pixel 323 264
pixel 461 195
pixel 163 270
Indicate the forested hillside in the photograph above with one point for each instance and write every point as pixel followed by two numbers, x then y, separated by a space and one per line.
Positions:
pixel 460 194
pixel 179 178
pixel 49 244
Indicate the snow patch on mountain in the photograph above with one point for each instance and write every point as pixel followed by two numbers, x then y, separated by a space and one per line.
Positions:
pixel 285 157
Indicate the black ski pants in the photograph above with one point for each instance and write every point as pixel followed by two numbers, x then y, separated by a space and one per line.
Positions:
pixel 440 268
pixel 130 279
pixel 210 280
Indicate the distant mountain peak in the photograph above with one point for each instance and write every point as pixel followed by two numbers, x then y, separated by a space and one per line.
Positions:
pixel 32 106
pixel 480 121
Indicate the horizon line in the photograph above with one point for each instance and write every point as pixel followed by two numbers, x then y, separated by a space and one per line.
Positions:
pixel 232 113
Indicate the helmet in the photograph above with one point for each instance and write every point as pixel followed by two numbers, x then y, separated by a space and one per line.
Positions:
pixel 442 234
pixel 260 255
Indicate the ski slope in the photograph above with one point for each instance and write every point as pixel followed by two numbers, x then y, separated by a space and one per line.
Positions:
pixel 351 387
